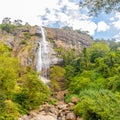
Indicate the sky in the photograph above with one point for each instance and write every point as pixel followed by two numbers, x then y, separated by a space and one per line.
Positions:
pixel 60 13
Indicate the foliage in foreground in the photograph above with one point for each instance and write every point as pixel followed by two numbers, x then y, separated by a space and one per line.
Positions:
pixel 32 93
pixel 20 89
pixel 98 105
pixel 94 76
pixel 57 74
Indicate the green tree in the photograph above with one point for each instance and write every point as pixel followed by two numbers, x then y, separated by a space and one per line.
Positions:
pixel 98 105
pixel 33 92
pixel 57 75
pixel 9 111
pixel 96 6
pixel 7 27
pixel 99 49
pixel 9 68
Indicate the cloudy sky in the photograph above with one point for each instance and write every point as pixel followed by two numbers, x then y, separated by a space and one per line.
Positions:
pixel 60 13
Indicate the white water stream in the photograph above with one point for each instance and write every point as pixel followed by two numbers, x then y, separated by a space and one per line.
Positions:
pixel 43 60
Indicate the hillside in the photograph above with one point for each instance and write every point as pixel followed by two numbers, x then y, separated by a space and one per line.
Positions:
pixel 24 41
pixel 49 73
pixel 68 39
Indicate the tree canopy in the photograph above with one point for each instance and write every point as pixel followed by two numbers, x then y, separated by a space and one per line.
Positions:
pixel 96 6
pixel 94 77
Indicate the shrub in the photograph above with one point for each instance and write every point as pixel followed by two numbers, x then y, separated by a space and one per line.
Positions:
pixel 33 92
pixel 7 27
pixel 69 97
pixel 98 105
pixel 27 35
pixel 57 74
pixel 23 42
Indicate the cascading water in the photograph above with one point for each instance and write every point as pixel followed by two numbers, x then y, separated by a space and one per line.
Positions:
pixel 43 60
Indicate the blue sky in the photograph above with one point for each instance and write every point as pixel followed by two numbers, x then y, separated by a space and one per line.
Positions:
pixel 60 13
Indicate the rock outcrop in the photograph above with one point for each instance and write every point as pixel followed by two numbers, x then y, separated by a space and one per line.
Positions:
pixel 68 39
pixel 24 42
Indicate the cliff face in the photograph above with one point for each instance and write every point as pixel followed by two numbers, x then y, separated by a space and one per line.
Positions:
pixel 24 42
pixel 68 39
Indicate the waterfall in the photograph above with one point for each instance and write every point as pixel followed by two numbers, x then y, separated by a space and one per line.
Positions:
pixel 43 60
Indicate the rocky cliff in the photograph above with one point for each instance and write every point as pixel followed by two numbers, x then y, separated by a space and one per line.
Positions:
pixel 24 42
pixel 68 39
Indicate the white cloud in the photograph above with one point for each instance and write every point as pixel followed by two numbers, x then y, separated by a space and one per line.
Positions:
pixel 102 26
pixel 112 19
pixel 117 37
pixel 84 25
pixel 26 10
pixel 117 22
pixel 118 15
pixel 68 14
pixel 33 12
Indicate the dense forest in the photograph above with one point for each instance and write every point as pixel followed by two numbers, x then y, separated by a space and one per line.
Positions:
pixel 92 75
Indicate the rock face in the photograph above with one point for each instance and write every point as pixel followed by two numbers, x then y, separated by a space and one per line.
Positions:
pixel 68 39
pixel 24 42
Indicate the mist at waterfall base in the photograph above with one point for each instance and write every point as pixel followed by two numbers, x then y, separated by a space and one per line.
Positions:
pixel 43 58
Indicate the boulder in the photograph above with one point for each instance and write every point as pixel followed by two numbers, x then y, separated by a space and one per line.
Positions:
pixel 78 118
pixel 74 100
pixel 70 116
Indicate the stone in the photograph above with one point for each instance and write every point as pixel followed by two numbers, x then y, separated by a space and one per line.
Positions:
pixel 44 117
pixel 71 106
pixel 60 95
pixel 63 107
pixel 78 118
pixel 53 110
pixel 24 117
pixel 70 116
pixel 74 100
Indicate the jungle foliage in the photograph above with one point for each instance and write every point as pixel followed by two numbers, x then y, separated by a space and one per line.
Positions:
pixel 94 76
pixel 20 88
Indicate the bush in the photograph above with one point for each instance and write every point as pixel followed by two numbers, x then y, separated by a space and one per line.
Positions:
pixel 27 35
pixel 69 97
pixel 7 27
pixel 33 92
pixel 8 110
pixel 98 105
pixel 57 75
pixel 23 42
